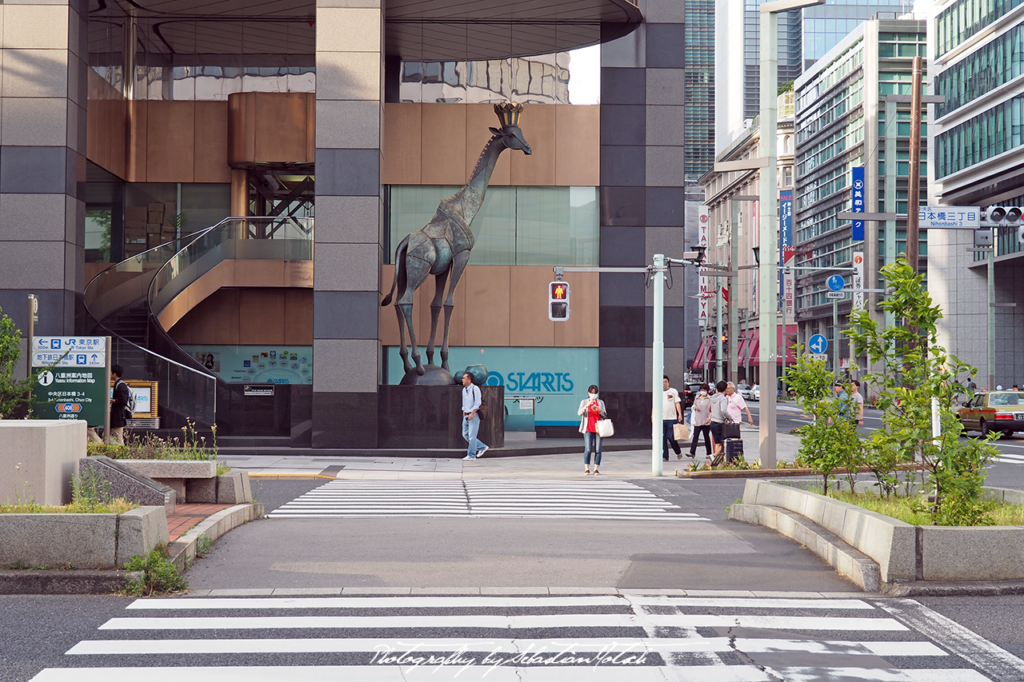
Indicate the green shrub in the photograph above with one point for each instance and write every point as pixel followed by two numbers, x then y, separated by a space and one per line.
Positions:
pixel 159 575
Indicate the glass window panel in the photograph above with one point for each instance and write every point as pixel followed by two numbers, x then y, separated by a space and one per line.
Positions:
pixel 557 225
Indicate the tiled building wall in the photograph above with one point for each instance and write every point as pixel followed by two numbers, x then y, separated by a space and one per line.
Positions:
pixel 349 117
pixel 42 160
pixel 642 204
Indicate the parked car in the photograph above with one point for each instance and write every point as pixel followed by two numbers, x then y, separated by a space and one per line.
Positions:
pixel 755 393
pixel 994 411
pixel 745 391
pixel 690 392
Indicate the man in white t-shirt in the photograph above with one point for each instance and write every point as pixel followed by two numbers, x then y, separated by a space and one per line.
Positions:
pixel 671 413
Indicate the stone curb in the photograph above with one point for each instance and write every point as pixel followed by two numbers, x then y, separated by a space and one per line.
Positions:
pixel 517 591
pixel 183 550
pixel 995 588
pixel 771 473
pixel 848 561
pixel 75 581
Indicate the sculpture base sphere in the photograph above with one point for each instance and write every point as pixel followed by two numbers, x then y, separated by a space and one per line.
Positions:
pixel 434 376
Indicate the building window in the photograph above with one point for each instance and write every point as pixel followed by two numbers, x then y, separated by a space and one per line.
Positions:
pixel 984 70
pixel 964 18
pixel 980 138
pixel 515 226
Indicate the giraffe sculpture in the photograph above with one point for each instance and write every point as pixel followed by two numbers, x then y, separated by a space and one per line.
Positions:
pixel 442 247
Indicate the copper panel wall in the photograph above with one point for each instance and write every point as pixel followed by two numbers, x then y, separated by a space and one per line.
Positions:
pixel 564 138
pixel 298 317
pixel 582 328
pixel 502 305
pixel 487 290
pixel 270 127
pixel 250 317
pixel 577 148
pixel 107 126
pixel 211 149
pixel 538 169
pixel 402 158
pixel 443 145
pixel 170 142
pixel 479 120
pixel 138 121
pixel 528 310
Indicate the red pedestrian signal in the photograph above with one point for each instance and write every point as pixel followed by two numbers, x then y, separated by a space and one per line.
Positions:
pixel 558 301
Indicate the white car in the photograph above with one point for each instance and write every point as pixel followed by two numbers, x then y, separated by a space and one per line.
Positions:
pixel 755 393
pixel 745 392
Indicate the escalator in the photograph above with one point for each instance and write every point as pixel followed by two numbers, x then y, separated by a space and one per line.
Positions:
pixel 137 300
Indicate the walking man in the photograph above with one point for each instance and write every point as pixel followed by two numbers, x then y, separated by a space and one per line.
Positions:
pixel 858 400
pixel 470 417
pixel 671 414
pixel 118 406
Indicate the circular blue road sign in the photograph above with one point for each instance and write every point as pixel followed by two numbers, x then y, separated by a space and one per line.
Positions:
pixel 818 344
pixel 836 282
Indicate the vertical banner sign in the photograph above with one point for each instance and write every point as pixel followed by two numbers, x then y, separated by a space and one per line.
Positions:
pixel 858 280
pixel 705 282
pixel 755 229
pixel 786 250
pixel 857 186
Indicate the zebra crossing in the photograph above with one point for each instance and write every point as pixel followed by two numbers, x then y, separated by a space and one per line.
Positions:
pixel 484 498
pixel 640 638
pixel 1009 458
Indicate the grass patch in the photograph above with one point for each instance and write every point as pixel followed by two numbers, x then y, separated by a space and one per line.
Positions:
pixel 115 506
pixel 159 576
pixel 902 508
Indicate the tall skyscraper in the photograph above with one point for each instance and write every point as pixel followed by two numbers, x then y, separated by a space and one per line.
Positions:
pixel 699 153
pixel 804 37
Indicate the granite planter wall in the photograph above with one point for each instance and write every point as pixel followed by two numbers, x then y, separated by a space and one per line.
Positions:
pixel 38 458
pixel 80 540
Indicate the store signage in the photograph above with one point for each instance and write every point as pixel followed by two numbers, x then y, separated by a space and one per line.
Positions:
pixel 858 188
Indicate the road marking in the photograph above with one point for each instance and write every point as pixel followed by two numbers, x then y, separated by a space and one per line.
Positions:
pixel 410 673
pixel 598 500
pixel 983 654
pixel 147 647
pixel 375 602
pixel 501 621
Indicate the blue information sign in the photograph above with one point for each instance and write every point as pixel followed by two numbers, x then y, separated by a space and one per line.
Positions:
pixel 836 282
pixel 818 344
pixel 857 205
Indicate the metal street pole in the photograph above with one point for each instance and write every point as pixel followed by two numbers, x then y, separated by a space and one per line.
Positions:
pixel 914 181
pixel 835 337
pixel 992 312
pixel 768 273
pixel 658 363
pixel 734 256
pixel 891 130
pixel 719 376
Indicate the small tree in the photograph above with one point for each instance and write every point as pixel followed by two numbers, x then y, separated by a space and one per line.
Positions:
pixel 912 369
pixel 830 441
pixel 14 394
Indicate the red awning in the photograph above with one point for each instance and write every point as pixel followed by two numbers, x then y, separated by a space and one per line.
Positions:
pixel 753 346
pixel 741 352
pixel 698 359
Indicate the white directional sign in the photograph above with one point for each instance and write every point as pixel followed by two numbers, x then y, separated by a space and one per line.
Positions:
pixel 818 344
pixel 835 294
pixel 836 282
pixel 949 217
pixel 69 351
pixel 820 357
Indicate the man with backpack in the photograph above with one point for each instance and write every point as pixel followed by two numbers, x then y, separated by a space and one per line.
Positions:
pixel 472 411
pixel 119 410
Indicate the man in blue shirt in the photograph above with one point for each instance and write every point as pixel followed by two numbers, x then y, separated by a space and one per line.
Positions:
pixel 470 417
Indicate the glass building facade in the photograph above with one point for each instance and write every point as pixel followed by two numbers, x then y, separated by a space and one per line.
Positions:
pixel 700 87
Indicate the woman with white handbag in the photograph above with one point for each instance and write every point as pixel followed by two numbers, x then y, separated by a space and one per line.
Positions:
pixel 594 420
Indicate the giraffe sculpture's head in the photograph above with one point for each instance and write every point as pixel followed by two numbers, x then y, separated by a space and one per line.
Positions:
pixel 510 133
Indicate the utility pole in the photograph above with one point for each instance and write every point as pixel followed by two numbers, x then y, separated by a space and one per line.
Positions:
pixel 914 181
pixel 719 375
pixel 734 255
pixel 991 258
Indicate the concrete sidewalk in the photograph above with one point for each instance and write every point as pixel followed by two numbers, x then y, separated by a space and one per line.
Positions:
pixel 625 465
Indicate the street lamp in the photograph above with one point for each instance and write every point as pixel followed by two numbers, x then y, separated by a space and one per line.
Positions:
pixel 769 270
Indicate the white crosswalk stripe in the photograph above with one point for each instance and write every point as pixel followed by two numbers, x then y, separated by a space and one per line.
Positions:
pixel 510 639
pixel 1008 458
pixel 561 499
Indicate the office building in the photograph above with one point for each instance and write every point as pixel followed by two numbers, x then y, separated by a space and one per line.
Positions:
pixel 977 147
pixel 124 130
pixel 840 126
pixel 700 87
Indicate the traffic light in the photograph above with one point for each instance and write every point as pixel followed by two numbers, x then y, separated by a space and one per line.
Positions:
pixel 1002 216
pixel 558 301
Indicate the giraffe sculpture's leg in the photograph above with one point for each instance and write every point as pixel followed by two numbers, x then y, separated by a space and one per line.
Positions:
pixel 403 350
pixel 458 267
pixel 416 273
pixel 435 310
